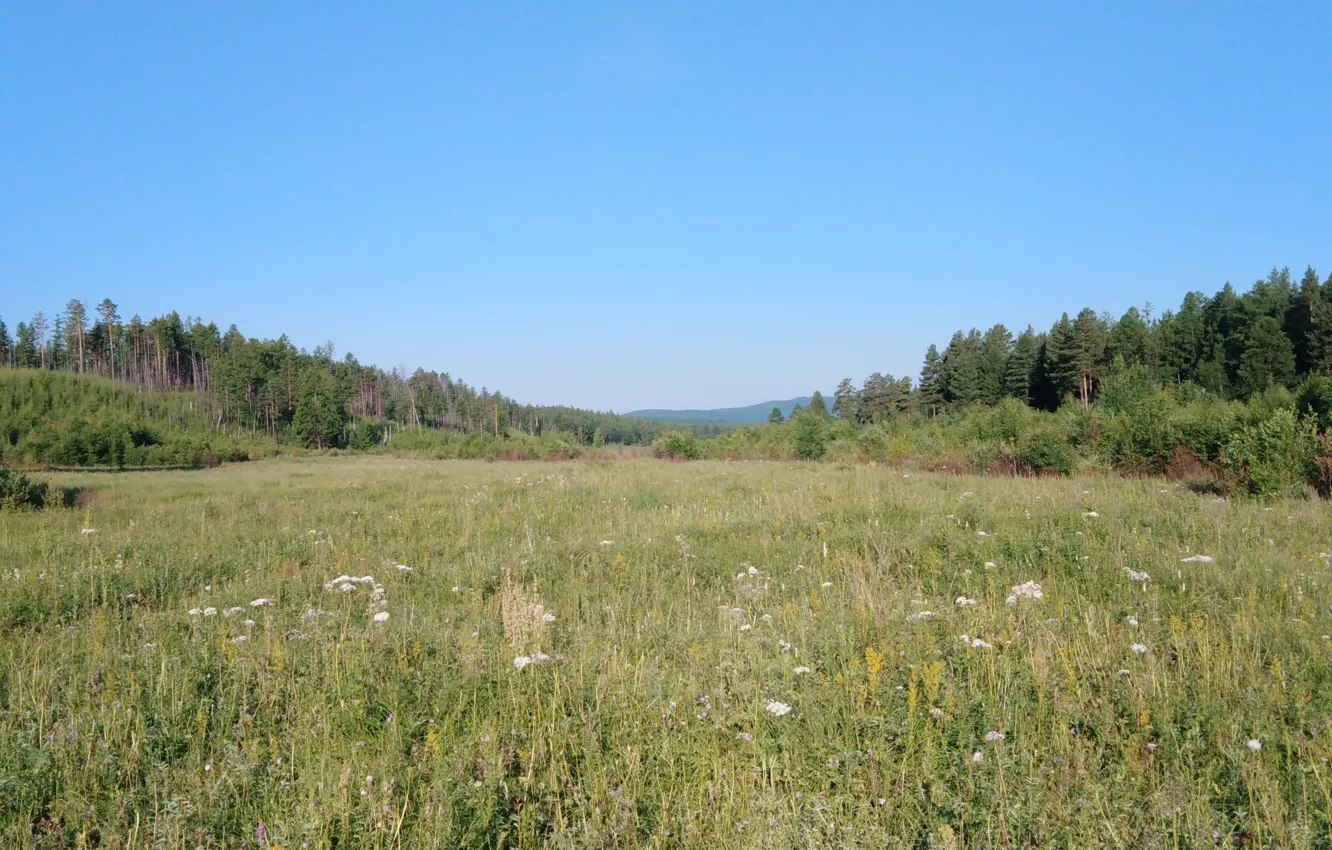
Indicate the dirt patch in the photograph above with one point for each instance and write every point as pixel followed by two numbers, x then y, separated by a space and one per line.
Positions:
pixel 1184 465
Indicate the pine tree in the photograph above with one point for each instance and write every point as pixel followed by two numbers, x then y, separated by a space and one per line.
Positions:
pixel 6 346
pixel 845 400
pixel 1089 341
pixel 76 325
pixel 111 319
pixel 874 397
pixel 776 417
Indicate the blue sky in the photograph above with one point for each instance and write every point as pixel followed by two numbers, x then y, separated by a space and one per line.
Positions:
pixel 684 205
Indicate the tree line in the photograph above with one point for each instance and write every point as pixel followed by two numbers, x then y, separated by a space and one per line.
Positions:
pixel 271 387
pixel 1232 345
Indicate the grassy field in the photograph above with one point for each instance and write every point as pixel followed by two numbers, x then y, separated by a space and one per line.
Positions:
pixel 622 654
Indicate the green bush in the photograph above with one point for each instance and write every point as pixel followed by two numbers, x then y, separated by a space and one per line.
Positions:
pixel 1273 457
pixel 677 445
pixel 18 492
pixel 811 443
pixel 1046 449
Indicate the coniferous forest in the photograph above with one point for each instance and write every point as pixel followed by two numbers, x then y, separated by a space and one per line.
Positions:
pixel 245 389
pixel 176 389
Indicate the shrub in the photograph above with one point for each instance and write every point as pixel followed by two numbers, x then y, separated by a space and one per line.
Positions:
pixel 676 445
pixel 810 440
pixel 1046 449
pixel 18 492
pixel 1273 457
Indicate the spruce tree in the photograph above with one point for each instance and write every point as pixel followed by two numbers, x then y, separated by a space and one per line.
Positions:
pixel 6 346
pixel 929 392
pixel 1129 339
pixel 1269 358
pixel 995 349
pixel 1019 366
pixel 1061 355
pixel 817 405
pixel 776 417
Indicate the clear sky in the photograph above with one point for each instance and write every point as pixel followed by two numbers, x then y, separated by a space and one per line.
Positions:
pixel 620 205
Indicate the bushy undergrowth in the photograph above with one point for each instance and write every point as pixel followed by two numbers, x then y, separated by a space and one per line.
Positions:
pixel 18 492
pixel 1265 448
pixel 364 653
pixel 77 421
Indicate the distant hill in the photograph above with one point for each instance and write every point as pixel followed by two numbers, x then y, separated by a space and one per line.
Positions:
pixel 746 415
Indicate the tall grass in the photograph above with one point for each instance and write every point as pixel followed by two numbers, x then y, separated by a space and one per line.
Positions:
pixel 1115 710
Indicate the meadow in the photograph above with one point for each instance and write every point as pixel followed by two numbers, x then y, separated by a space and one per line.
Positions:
pixel 375 652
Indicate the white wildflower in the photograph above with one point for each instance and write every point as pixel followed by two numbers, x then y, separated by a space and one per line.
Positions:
pixel 800 671
pixel 920 615
pixel 989 565
pixel 231 612
pixel 87 531
pixel 977 643
pixel 745 627
pixel 1091 514
pixel 1138 648
pixel 194 612
pixel 1134 575
pixel 1026 590
pixel 261 602
pixel 977 757
pixel 240 638
pixel 547 617
pixel 1131 620
pixel 403 568
pixel 249 624
pixel 993 736
pixel 777 709
pixel 744 737
pixel 827 584
pixel 1196 559
pixel 521 661
pixel 1254 744
pixel 963 602
pixel 208 612
pixel 607 543
pixel 382 617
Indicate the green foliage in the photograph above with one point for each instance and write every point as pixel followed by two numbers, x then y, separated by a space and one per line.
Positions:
pixel 677 445
pixel 68 420
pixel 809 436
pixel 1046 449
pixel 1272 457
pixel 18 492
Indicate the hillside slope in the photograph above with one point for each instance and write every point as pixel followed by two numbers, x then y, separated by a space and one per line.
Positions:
pixel 749 415
pixel 82 420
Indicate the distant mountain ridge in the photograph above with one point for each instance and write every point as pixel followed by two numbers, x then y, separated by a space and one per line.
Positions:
pixel 747 415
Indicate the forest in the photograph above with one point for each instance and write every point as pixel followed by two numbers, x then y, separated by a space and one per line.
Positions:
pixel 257 391
pixel 1139 392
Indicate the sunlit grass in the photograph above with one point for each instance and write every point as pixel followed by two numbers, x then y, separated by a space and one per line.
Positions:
pixel 1110 711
